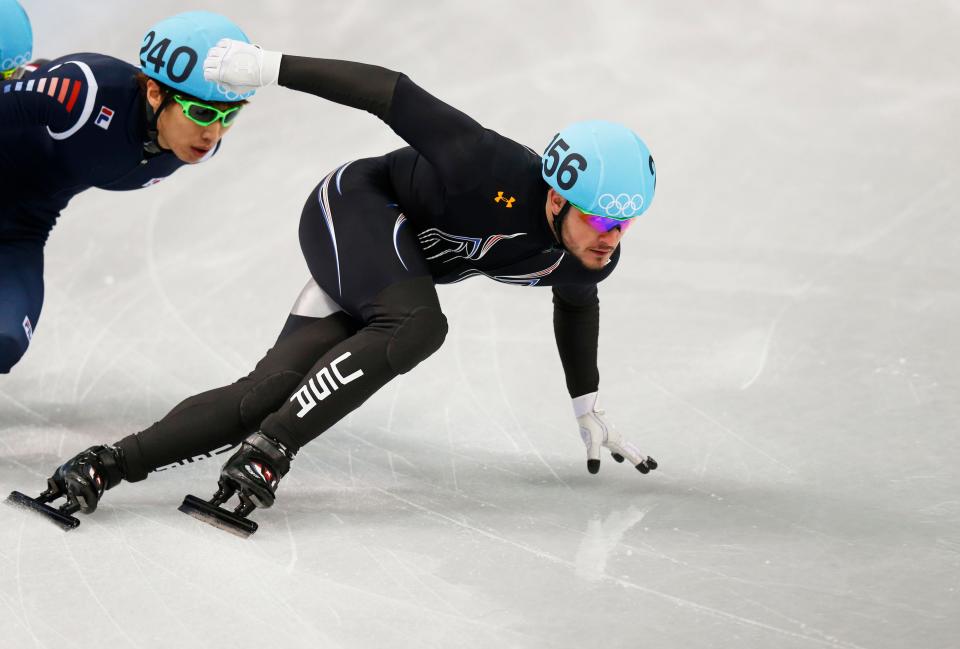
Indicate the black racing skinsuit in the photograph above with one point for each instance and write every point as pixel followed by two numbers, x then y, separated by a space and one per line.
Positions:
pixel 377 234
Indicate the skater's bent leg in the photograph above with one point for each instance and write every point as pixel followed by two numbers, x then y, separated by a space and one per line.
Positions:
pixel 358 254
pixel 403 326
pixel 11 351
pixel 218 419
pixel 21 298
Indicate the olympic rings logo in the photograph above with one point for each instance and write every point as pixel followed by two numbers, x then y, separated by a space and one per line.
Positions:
pixel 230 95
pixel 623 205
pixel 15 62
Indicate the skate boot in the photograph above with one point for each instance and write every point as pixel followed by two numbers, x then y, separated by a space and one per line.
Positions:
pixel 81 481
pixel 253 473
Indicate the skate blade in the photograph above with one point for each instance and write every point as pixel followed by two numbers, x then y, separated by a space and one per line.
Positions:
pixel 223 519
pixel 55 516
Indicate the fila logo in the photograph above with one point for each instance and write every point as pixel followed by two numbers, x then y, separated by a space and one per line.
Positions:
pixel 501 198
pixel 323 385
pixel 152 181
pixel 104 118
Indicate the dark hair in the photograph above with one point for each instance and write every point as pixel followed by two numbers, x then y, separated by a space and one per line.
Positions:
pixel 167 91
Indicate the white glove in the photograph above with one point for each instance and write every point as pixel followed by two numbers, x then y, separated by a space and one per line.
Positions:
pixel 241 67
pixel 597 431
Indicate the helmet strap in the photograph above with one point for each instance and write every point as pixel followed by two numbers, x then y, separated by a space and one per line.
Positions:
pixel 152 144
pixel 558 225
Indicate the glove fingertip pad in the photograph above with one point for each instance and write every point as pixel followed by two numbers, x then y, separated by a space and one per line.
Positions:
pixel 593 466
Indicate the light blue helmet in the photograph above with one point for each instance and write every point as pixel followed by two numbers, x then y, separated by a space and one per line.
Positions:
pixel 601 168
pixel 174 49
pixel 16 37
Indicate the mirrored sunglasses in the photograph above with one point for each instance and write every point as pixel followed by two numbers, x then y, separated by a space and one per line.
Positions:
pixel 603 223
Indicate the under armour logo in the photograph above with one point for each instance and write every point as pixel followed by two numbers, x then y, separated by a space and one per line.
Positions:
pixel 501 198
pixel 323 385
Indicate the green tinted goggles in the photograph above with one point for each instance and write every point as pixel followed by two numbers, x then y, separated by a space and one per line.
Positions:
pixel 204 114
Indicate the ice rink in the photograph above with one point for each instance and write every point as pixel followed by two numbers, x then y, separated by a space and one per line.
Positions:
pixel 777 335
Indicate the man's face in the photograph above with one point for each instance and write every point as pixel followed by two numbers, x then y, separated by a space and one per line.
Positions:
pixel 592 248
pixel 186 139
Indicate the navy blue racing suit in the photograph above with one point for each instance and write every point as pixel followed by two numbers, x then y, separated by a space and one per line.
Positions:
pixel 77 122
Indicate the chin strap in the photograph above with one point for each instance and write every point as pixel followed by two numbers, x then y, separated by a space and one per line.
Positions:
pixel 152 143
pixel 558 227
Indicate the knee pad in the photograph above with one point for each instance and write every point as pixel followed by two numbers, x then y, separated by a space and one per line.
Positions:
pixel 266 396
pixel 11 351
pixel 419 335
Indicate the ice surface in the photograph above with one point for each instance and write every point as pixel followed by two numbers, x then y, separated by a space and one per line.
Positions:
pixel 779 335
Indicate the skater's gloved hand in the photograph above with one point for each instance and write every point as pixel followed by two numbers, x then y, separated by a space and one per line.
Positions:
pixel 597 431
pixel 83 478
pixel 241 67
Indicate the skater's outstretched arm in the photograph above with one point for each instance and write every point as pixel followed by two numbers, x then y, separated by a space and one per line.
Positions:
pixel 451 140
pixel 576 326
